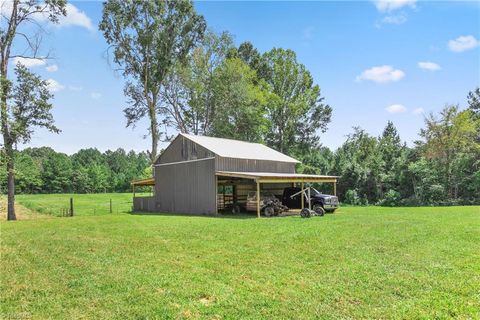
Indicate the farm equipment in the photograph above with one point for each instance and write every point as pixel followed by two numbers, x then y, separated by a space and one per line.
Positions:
pixel 273 207
pixel 318 209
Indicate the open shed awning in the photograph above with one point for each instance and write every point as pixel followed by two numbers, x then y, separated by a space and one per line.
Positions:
pixel 267 177
pixel 143 182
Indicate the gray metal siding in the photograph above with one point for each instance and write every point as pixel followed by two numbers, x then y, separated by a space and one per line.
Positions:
pixel 188 187
pixel 248 165
pixel 183 149
pixel 144 204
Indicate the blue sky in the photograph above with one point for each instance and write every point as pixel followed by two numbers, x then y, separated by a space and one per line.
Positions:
pixel 374 61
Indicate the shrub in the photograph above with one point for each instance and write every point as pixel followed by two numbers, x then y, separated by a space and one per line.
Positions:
pixel 391 199
pixel 351 197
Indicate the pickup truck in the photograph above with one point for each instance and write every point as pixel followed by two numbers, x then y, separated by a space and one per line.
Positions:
pixel 329 203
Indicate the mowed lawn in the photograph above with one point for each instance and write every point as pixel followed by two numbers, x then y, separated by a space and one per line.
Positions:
pixel 366 262
pixel 83 204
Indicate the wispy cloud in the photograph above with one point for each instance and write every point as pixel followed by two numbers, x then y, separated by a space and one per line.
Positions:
pixel 54 85
pixel 395 19
pixel 29 63
pixel 95 95
pixel 418 111
pixel 381 74
pixel 75 88
pixel 392 5
pixel 52 68
pixel 430 66
pixel 396 108
pixel 463 43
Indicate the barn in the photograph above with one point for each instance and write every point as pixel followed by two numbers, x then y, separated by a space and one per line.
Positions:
pixel 205 175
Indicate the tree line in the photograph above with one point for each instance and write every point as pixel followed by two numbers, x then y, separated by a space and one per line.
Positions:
pixel 43 170
pixel 442 168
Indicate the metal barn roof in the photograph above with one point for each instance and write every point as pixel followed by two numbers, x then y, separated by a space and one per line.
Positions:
pixel 278 177
pixel 239 149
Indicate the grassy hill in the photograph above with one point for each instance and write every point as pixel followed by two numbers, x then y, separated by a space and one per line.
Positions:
pixel 358 263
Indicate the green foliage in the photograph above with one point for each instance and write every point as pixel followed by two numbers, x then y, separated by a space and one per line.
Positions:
pixel 390 199
pixel 295 108
pixel 148 39
pixel 351 197
pixel 42 170
pixel 234 85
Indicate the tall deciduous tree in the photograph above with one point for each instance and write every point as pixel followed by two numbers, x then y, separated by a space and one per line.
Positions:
pixel 296 109
pixel 24 104
pixel 149 38
pixel 445 140
pixel 188 93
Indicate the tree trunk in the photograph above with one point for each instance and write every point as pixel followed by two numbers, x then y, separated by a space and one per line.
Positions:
pixel 11 184
pixel 155 133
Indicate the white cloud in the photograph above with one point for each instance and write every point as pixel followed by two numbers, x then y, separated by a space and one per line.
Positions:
pixel 52 68
pixel 29 63
pixel 95 95
pixel 395 19
pixel 430 66
pixel 75 88
pixel 463 43
pixel 75 17
pixel 418 111
pixel 391 5
pixel 396 108
pixel 54 85
pixel 381 74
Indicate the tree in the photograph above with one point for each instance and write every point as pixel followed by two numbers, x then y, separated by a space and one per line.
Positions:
pixel 148 39
pixel 188 93
pixel 473 100
pixel 359 163
pixel 295 108
pixel 57 173
pixel 239 104
pixel 445 140
pixel 24 104
pixel 391 151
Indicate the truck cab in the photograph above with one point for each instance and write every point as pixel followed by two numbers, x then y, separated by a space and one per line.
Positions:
pixel 328 202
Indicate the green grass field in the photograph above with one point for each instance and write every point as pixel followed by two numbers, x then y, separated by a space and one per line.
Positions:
pixel 357 263
pixel 84 204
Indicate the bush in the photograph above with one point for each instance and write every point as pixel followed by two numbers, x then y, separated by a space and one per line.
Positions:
pixel 391 199
pixel 351 197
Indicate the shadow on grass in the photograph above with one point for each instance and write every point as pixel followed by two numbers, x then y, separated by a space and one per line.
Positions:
pixel 237 216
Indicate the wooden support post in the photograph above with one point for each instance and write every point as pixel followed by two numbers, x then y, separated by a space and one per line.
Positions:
pixel 71 207
pixel 258 199
pixel 133 190
pixel 335 188
pixel 302 196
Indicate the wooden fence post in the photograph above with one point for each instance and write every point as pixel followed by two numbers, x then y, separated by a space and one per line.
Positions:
pixel 71 207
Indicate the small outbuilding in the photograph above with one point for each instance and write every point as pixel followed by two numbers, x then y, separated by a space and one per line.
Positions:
pixel 203 175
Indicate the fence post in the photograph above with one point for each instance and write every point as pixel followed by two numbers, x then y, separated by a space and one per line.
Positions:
pixel 110 205
pixel 71 207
